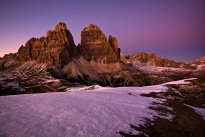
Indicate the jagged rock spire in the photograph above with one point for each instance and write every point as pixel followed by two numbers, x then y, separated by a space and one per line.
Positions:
pixel 60 26
pixel 95 46
pixel 56 48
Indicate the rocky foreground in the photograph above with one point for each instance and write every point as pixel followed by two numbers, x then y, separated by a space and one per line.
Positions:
pixel 186 101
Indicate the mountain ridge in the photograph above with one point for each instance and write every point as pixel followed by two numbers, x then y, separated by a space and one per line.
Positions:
pixel 53 63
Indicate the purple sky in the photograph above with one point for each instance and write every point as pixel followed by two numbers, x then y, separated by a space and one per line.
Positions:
pixel 170 28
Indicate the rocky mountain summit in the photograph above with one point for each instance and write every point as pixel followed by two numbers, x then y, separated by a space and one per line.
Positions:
pixel 95 45
pixel 57 48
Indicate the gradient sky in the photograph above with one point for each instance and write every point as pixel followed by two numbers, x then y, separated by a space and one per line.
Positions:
pixel 170 28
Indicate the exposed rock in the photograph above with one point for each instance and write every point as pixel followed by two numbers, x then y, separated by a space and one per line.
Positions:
pixel 61 26
pixel 9 56
pixel 57 48
pixel 152 59
pixel 114 44
pixel 104 74
pixel 200 61
pixel 92 35
pixel 123 58
pixel 94 46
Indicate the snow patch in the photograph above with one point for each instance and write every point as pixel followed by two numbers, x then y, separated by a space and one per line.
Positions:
pixel 200 111
pixel 51 80
pixel 79 113
pixel 92 111
pixel 85 88
pixel 180 82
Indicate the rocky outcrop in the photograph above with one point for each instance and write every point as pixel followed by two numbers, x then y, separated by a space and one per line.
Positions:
pixel 9 56
pixel 104 74
pixel 123 58
pixel 200 61
pixel 57 48
pixel 114 44
pixel 95 46
pixel 152 59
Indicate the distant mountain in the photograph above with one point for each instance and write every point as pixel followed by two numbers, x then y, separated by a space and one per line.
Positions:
pixel 151 59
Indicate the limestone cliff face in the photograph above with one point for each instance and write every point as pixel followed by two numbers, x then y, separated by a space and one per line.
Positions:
pixel 57 48
pixel 114 44
pixel 95 46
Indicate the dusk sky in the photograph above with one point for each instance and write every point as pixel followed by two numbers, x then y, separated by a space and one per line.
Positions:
pixel 170 28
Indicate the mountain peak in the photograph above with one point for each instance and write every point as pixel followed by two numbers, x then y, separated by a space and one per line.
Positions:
pixel 91 27
pixel 92 34
pixel 54 49
pixel 60 26
pixel 94 45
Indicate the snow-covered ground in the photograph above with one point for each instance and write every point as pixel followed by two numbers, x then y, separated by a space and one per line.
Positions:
pixel 103 111
pixel 156 69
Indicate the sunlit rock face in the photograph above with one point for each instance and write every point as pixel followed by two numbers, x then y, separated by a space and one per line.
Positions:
pixel 114 44
pixel 200 61
pixel 95 46
pixel 57 48
pixel 96 60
